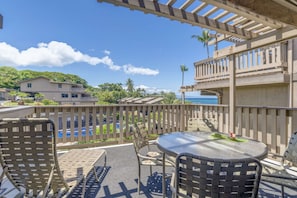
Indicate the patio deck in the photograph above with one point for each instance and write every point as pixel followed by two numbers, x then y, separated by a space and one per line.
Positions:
pixel 120 179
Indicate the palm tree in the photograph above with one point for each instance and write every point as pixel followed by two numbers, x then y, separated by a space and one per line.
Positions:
pixel 204 38
pixel 130 86
pixel 183 69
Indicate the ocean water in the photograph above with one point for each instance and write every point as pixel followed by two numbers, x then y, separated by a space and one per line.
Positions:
pixel 202 100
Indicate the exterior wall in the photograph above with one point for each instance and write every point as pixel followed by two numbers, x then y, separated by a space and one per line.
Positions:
pixel 4 94
pixel 266 76
pixel 54 91
pixel 275 96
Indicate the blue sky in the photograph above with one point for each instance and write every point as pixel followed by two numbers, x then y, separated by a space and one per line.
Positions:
pixel 99 42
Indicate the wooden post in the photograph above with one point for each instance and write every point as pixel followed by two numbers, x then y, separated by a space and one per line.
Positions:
pixel 232 93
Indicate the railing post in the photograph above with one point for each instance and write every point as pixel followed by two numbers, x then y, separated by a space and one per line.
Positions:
pixel 232 92
pixel 182 117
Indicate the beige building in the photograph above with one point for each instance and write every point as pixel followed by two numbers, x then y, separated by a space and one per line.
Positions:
pixel 61 92
pixel 265 76
pixel 4 94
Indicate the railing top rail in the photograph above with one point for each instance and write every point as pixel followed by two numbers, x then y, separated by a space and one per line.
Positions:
pixel 16 112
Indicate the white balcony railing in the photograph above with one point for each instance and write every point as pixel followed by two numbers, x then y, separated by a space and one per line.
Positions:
pixel 257 61
pixel 87 124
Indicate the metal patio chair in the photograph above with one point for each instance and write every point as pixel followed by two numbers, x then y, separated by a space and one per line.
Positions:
pixel 283 170
pixel 204 177
pixel 147 154
pixel 30 161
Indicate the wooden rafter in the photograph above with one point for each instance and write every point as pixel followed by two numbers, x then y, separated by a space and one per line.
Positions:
pixel 269 38
pixel 182 15
pixel 233 20
pixel 241 11
pixel 292 5
pixel 284 11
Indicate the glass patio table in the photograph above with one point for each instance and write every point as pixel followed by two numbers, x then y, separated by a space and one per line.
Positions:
pixel 211 145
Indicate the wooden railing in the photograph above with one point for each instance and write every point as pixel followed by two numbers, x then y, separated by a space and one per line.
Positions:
pixel 261 60
pixel 88 124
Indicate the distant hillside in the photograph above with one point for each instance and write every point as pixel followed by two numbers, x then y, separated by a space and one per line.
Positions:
pixel 10 77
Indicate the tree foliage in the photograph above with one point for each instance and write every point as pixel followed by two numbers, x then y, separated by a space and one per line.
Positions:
pixel 11 77
pixel 107 93
pixel 204 38
pixel 183 69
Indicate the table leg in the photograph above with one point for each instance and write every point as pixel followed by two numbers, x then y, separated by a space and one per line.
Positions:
pixel 163 178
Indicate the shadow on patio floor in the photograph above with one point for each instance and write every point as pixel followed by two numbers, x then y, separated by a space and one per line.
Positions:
pixel 151 188
pixel 92 186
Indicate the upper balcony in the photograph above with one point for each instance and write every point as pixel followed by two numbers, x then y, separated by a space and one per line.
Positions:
pixel 265 65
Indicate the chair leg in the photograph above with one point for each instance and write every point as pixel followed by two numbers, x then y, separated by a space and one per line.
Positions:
pixel 163 177
pixel 283 191
pixel 95 173
pixel 84 187
pixel 139 175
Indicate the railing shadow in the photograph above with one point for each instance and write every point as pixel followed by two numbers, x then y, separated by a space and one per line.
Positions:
pixel 152 188
pixel 92 186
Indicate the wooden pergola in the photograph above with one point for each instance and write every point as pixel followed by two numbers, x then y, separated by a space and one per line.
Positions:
pixel 248 23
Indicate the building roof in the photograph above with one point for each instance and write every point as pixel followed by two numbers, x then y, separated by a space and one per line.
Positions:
pixel 145 100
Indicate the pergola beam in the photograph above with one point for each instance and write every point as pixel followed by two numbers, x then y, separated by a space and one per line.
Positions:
pixel 270 38
pixel 280 10
pixel 241 11
pixel 154 7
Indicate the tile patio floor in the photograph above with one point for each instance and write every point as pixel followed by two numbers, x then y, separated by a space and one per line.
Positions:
pixel 120 179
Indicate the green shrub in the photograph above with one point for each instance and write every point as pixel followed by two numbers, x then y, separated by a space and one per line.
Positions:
pixel 28 100
pixel 104 129
pixel 49 102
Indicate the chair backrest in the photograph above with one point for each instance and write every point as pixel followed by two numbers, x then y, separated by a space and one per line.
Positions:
pixel 28 154
pixel 203 177
pixel 291 151
pixel 140 137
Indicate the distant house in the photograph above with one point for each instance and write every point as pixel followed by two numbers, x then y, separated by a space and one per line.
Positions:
pixel 61 92
pixel 4 94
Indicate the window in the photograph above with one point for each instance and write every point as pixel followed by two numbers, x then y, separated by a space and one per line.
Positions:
pixel 64 95
pixel 74 95
pixel 29 85
pixel 60 85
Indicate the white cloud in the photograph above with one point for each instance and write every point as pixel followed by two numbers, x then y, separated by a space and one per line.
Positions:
pixel 107 52
pixel 59 54
pixel 130 69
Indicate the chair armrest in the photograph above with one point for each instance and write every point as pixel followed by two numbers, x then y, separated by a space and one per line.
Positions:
pixel 148 157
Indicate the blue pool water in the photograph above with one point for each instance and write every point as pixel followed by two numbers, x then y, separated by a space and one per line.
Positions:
pixel 83 131
pixel 68 132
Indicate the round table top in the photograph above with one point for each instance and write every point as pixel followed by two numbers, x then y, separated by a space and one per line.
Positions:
pixel 204 144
